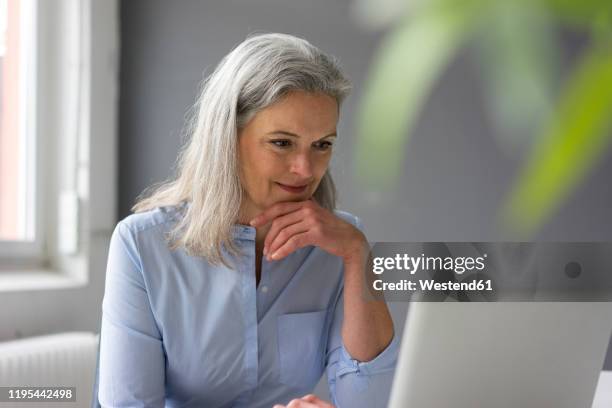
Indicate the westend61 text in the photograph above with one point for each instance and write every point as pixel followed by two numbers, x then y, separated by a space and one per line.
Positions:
pixel 430 284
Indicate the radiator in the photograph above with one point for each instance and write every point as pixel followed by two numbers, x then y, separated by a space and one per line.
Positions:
pixel 65 359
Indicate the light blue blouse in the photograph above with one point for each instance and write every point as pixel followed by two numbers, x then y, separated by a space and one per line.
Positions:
pixel 180 332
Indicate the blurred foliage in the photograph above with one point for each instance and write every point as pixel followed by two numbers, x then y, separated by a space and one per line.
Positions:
pixel 520 82
pixel 565 127
pixel 574 139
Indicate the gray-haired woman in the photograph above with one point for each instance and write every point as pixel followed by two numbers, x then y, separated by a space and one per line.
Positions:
pixel 237 283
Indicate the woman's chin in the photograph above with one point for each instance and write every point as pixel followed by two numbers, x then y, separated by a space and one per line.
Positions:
pixel 292 198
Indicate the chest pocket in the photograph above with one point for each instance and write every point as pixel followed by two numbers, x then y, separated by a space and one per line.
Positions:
pixel 301 347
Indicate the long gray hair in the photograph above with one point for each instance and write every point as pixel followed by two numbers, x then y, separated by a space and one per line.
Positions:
pixel 257 73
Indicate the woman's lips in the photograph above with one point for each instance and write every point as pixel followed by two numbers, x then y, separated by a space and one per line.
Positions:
pixel 293 189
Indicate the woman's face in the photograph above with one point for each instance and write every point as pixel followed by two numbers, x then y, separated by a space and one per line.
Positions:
pixel 284 150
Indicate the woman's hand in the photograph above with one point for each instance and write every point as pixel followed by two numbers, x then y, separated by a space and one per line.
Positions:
pixel 299 224
pixel 307 401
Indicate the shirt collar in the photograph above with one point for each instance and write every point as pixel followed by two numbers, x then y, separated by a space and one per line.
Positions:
pixel 239 231
pixel 243 232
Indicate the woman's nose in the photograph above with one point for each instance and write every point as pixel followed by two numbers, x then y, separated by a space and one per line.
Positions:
pixel 301 165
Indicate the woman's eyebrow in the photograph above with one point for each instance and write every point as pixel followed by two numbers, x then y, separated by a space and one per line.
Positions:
pixel 284 132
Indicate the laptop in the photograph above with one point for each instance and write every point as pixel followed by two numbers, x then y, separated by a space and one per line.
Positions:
pixel 501 355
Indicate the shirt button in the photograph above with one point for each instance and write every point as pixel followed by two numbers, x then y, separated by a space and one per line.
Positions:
pixel 264 289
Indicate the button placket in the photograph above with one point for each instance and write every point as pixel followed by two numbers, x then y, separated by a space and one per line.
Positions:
pixel 263 290
pixel 250 313
pixel 263 281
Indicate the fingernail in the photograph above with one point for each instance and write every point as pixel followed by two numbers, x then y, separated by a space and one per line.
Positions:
pixel 274 255
pixel 265 250
pixel 252 222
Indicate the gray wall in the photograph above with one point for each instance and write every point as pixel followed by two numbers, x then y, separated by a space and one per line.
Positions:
pixel 454 175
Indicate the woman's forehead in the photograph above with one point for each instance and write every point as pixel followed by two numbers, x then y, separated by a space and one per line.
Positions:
pixel 308 112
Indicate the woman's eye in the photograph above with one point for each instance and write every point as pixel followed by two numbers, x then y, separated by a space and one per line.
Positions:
pixel 325 145
pixel 281 143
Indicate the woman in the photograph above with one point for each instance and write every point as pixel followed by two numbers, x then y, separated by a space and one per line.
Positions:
pixel 237 283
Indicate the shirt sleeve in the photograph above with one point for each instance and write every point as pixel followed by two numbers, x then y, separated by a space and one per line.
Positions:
pixel 132 363
pixel 353 383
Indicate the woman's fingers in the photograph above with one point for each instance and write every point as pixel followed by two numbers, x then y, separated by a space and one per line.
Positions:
pixel 297 224
pixel 316 400
pixel 279 224
pixel 285 235
pixel 307 401
pixel 288 219
pixel 294 243
pixel 274 211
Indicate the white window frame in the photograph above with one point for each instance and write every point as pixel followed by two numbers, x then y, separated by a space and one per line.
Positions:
pixel 27 253
pixel 76 88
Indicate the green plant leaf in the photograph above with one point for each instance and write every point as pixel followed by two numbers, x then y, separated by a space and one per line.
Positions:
pixel 408 62
pixel 519 60
pixel 573 142
pixel 581 13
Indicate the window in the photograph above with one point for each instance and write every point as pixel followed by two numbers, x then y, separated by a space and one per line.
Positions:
pixel 19 236
pixel 59 83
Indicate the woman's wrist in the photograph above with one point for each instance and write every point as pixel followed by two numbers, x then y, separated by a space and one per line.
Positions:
pixel 358 251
